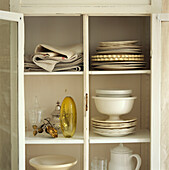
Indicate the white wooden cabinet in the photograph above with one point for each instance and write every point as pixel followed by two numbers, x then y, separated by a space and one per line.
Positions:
pixel 50 87
pixel 90 29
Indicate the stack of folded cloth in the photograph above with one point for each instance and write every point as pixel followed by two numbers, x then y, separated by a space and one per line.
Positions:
pixel 47 58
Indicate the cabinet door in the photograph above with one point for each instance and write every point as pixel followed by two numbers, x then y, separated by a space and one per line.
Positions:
pixel 161 38
pixel 159 92
pixel 11 92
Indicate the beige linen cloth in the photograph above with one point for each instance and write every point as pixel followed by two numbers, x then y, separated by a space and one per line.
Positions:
pixel 47 57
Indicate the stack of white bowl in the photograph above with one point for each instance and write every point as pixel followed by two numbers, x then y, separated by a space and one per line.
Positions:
pixel 114 103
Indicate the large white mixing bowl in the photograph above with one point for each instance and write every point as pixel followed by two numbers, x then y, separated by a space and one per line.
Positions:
pixel 53 162
pixel 114 107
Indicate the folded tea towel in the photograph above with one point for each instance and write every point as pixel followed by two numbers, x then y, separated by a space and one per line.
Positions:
pixel 67 51
pixel 48 57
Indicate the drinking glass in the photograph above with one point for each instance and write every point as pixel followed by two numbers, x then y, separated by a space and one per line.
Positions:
pixel 98 164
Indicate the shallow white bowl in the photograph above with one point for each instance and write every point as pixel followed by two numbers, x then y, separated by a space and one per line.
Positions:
pixel 113 93
pixel 53 162
pixel 114 107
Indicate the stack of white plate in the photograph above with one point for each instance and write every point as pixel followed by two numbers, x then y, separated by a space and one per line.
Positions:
pixel 114 128
pixel 115 55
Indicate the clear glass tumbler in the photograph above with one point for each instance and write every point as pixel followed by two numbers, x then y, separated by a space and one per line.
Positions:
pixel 98 163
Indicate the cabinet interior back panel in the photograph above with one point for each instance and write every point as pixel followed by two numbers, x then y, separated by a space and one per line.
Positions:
pixel 49 90
pixel 71 150
pixel 54 31
pixel 139 85
pixel 103 151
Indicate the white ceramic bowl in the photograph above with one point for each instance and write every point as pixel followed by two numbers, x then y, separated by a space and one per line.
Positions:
pixel 113 93
pixel 114 107
pixel 53 162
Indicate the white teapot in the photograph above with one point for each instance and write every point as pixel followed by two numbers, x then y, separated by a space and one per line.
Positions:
pixel 121 159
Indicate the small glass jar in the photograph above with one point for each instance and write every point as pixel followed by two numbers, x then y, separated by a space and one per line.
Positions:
pixel 56 117
pixel 35 114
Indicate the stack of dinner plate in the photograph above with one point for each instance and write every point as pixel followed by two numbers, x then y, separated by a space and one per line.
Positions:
pixel 116 55
pixel 115 104
pixel 105 127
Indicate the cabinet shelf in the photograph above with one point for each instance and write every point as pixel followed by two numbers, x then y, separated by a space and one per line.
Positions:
pixel 90 73
pixel 51 73
pixel 46 139
pixel 120 72
pixel 141 136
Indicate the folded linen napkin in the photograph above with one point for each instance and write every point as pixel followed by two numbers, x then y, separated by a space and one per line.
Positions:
pixel 47 57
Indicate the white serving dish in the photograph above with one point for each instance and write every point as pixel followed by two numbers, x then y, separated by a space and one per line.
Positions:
pixel 113 93
pixel 114 107
pixel 53 162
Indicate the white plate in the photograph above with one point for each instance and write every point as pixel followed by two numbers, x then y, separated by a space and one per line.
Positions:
pixel 115 132
pixel 122 120
pixel 100 91
pixel 119 63
pixel 112 67
pixel 125 51
pixel 113 126
pixel 110 47
pixel 117 42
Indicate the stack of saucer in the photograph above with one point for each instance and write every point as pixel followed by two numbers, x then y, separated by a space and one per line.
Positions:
pixel 114 103
pixel 105 127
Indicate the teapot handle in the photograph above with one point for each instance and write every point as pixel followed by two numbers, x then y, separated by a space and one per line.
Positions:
pixel 138 158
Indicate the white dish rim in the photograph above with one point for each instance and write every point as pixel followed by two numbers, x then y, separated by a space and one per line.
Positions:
pixel 114 98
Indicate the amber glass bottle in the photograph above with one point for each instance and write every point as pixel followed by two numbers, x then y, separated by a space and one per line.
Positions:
pixel 68 117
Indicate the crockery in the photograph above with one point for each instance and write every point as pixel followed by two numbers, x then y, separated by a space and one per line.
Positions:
pixel 124 119
pixel 123 46
pixel 53 162
pixel 119 67
pixel 114 107
pixel 117 42
pixel 118 92
pixel 119 59
pixel 113 93
pixel 114 132
pixel 122 159
pixel 118 56
pixel 113 126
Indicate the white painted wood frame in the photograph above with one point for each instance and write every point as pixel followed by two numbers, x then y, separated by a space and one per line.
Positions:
pixel 156 92
pixel 53 7
pixel 86 89
pixel 16 17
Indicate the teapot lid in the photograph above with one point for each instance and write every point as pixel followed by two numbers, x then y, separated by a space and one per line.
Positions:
pixel 121 149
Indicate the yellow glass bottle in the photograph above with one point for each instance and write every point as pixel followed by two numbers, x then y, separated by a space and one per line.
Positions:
pixel 68 117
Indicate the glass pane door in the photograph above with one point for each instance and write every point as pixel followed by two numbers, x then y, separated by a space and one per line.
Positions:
pixel 9 83
pixel 164 90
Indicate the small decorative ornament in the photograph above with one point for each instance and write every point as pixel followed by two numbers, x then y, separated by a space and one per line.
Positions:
pixel 47 127
pixel 56 117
